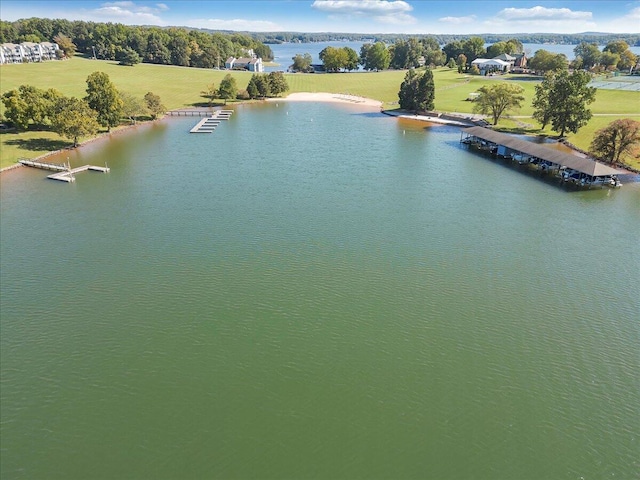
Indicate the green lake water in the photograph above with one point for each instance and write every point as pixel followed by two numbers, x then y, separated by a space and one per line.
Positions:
pixel 315 291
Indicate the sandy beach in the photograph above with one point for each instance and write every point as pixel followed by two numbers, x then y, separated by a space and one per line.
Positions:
pixel 328 97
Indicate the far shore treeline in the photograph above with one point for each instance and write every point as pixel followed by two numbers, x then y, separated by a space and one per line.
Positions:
pixel 114 41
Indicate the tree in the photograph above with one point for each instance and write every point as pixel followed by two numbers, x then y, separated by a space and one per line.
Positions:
pixel 473 48
pixel 302 63
pixel 74 119
pixel 65 44
pixel 154 104
pixel 417 91
pixel 495 100
pixel 263 86
pixel 627 60
pixel 426 91
pixel 103 97
pixel 228 88
pixel 128 56
pixel 351 59
pixel 453 49
pixel 210 93
pixel 562 99
pixel 377 57
pixel 28 104
pixel 409 91
pixel 461 61
pixel 252 88
pixel 132 107
pixel 544 61
pixel 589 53
pixel 615 140
pixel 278 83
pixel 334 59
pixel 15 109
pixel 259 86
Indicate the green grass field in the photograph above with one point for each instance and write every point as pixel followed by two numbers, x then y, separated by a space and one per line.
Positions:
pixel 181 86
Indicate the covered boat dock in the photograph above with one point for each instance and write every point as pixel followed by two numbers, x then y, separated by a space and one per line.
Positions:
pixel 580 171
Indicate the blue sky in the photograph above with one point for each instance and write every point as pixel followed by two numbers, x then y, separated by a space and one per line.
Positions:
pixel 357 16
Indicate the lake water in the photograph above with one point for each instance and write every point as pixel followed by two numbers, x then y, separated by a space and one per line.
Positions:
pixel 315 291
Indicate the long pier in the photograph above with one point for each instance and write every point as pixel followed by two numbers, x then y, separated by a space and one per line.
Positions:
pixel 209 124
pixel 64 172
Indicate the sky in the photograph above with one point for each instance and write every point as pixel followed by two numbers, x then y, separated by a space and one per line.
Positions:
pixel 350 16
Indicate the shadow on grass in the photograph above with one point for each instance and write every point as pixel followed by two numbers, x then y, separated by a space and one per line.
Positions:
pixel 207 104
pixel 39 144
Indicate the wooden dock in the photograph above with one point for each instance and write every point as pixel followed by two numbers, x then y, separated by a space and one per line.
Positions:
pixel 209 124
pixel 64 172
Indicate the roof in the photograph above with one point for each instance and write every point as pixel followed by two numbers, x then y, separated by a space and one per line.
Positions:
pixel 505 56
pixel 489 61
pixel 584 165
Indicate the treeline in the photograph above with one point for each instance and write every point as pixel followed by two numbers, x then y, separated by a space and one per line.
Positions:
pixel 115 41
pixel 72 117
pixel 442 39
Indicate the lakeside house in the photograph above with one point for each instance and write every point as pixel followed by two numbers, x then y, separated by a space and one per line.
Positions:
pixel 253 64
pixel 504 63
pixel 491 65
pixel 28 52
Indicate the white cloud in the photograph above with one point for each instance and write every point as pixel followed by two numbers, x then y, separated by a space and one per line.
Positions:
pixel 458 20
pixel 384 11
pixel 162 6
pixel 236 24
pixel 126 12
pixel 536 14
pixel 541 19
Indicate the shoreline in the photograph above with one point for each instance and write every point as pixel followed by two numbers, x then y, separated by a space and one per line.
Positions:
pixel 324 97
pixel 101 136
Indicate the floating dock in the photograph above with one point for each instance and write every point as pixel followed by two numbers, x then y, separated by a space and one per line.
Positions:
pixel 209 124
pixel 64 172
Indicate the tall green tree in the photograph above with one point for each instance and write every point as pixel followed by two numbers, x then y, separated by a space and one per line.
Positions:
pixel 545 61
pixel 302 63
pixel 277 83
pixel 473 48
pixel 497 99
pixel 128 56
pixel 350 59
pixel 228 88
pixel 74 119
pixel 562 99
pixel 589 53
pixel 263 85
pixel 103 97
pixel 617 139
pixel 28 104
pixel 252 87
pixel 417 91
pixel 377 57
pixel 154 104
pixel 334 59
pixel 132 106
pixel 65 44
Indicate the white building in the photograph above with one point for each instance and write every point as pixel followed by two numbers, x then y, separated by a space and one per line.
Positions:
pixel 28 52
pixel 489 65
pixel 244 63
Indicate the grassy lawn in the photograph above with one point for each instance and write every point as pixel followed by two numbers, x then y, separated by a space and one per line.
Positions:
pixel 181 86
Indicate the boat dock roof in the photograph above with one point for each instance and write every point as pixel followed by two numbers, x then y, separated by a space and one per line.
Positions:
pixel 580 164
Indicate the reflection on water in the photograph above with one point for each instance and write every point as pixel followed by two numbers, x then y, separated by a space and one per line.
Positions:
pixel 315 291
